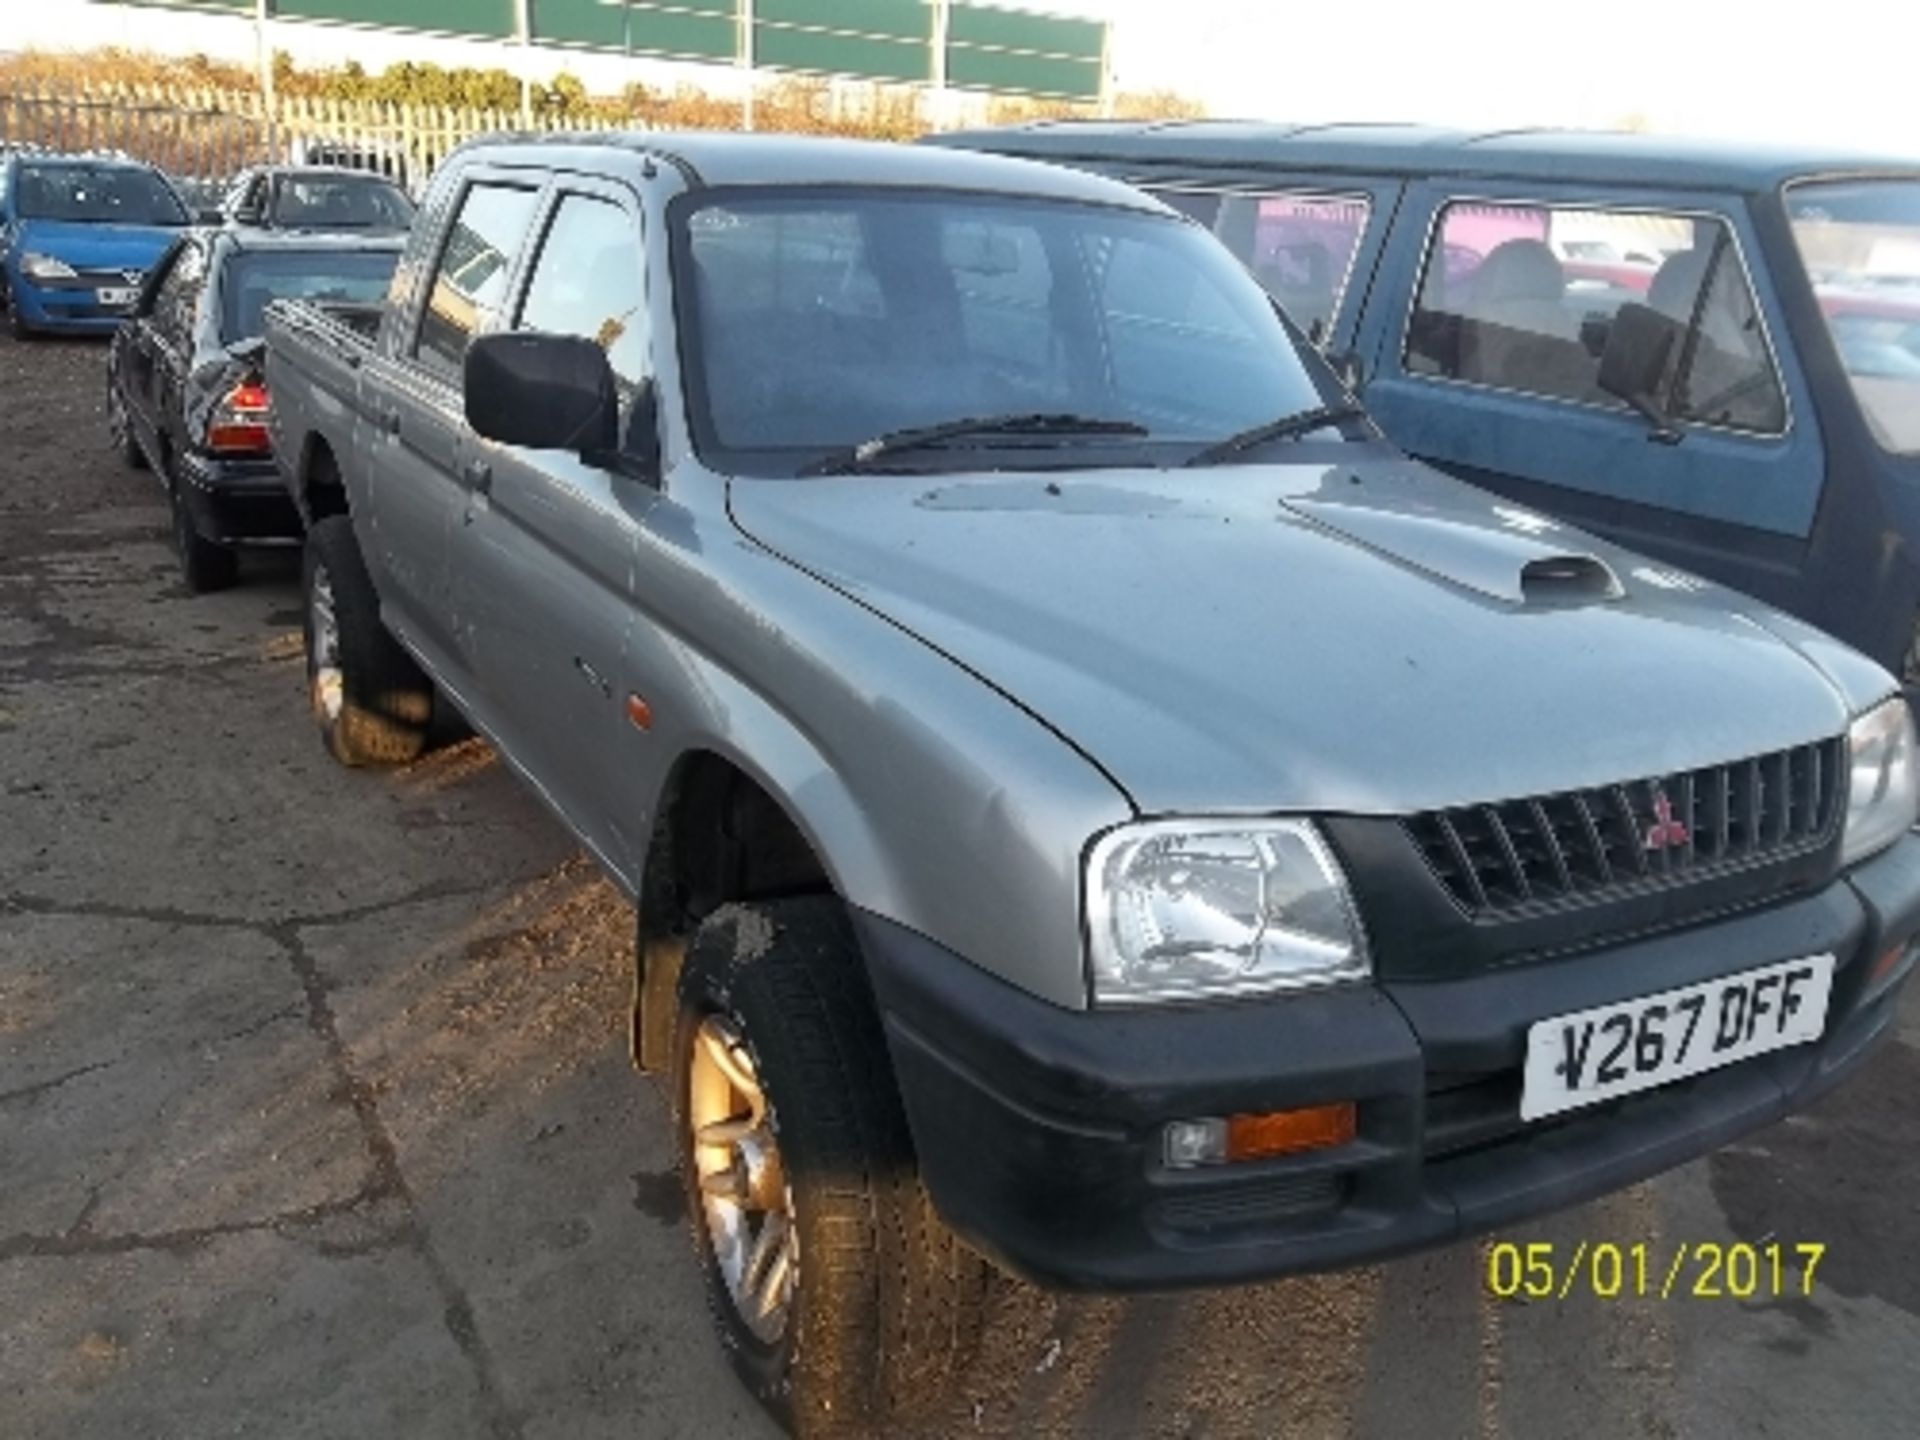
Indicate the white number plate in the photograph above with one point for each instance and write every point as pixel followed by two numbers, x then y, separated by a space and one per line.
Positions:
pixel 115 299
pixel 1612 1050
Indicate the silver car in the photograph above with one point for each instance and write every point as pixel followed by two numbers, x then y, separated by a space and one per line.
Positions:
pixel 1091 803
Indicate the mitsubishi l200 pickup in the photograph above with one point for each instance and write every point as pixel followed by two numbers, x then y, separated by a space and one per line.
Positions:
pixel 1090 802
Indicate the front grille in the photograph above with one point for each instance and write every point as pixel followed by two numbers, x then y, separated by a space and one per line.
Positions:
pixel 93 280
pixel 1582 846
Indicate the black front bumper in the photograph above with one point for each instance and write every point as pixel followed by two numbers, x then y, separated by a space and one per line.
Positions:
pixel 1039 1130
pixel 239 501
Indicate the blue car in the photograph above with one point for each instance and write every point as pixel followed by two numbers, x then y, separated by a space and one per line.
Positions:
pixel 77 237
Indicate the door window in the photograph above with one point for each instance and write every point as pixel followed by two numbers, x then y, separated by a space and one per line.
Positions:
pixel 1523 298
pixel 1299 246
pixel 470 282
pixel 590 281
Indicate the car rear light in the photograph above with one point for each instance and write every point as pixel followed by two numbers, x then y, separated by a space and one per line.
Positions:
pixel 238 425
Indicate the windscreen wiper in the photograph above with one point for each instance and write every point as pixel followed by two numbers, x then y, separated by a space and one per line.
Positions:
pixel 1301 423
pixel 893 442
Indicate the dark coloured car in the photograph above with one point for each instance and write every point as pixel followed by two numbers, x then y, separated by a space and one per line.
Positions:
pixel 1772 441
pixel 317 197
pixel 185 390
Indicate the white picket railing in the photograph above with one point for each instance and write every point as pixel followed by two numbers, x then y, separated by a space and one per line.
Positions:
pixel 207 135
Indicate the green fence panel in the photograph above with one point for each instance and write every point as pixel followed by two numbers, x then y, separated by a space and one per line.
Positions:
pixel 1029 74
pixel 897 19
pixel 992 27
pixel 873 59
pixel 455 17
pixel 697 29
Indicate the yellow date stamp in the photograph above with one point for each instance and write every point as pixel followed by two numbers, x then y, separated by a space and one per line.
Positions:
pixel 1700 1270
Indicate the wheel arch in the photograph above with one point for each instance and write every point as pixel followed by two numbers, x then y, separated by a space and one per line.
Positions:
pixel 728 830
pixel 320 488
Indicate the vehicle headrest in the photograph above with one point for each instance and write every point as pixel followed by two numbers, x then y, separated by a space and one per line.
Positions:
pixel 1519 270
pixel 1676 284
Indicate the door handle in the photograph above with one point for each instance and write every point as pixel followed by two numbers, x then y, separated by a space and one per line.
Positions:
pixel 390 421
pixel 479 476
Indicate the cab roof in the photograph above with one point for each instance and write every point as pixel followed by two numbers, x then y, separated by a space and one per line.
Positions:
pixel 715 157
pixel 1588 156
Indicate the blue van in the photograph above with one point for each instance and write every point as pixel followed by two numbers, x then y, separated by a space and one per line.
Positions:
pixel 1710 353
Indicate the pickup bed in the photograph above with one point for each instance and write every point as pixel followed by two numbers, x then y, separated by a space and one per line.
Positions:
pixel 1090 802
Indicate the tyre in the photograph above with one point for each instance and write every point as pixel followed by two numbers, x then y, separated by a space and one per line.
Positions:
pixel 17 326
pixel 371 702
pixel 843 1301
pixel 120 428
pixel 204 565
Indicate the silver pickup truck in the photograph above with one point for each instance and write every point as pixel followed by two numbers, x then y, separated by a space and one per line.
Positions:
pixel 1090 802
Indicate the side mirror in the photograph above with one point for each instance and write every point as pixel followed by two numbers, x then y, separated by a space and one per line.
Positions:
pixel 546 392
pixel 248 215
pixel 1640 342
pixel 209 215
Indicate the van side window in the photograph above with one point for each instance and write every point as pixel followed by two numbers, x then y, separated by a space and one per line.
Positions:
pixel 1300 247
pixel 470 281
pixel 1522 298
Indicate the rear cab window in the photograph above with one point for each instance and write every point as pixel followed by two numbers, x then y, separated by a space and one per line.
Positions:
pixel 1522 297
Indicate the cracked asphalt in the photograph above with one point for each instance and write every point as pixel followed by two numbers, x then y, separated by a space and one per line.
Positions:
pixel 316 1117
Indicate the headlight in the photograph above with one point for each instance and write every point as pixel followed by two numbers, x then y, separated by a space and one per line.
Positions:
pixel 1882 789
pixel 45 267
pixel 1197 909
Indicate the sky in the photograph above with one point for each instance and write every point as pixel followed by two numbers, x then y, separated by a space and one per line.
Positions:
pixel 1840 72
pixel 1837 72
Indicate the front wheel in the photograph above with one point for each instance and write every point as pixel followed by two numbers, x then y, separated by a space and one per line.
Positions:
pixel 842 1299
pixel 371 702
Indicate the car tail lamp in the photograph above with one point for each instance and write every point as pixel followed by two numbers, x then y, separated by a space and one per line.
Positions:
pixel 238 425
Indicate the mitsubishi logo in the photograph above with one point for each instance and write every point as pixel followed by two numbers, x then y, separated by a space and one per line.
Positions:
pixel 1665 832
pixel 134 277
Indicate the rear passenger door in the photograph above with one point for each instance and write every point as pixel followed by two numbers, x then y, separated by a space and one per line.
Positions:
pixel 1485 335
pixel 1311 243
pixel 418 443
pixel 544 555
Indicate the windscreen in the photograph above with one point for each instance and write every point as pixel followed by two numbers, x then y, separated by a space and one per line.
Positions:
pixel 254 280
pixel 1860 242
pixel 822 318
pixel 97 194
pixel 340 202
